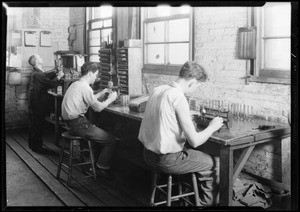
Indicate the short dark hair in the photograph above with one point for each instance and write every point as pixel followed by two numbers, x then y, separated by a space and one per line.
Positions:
pixel 192 69
pixel 89 66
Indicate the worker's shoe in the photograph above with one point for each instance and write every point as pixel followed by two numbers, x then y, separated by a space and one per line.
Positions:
pixel 102 173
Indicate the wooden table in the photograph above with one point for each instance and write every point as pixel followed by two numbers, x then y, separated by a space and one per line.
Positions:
pixel 57 124
pixel 240 137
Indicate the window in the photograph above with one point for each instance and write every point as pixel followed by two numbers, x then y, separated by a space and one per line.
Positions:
pixel 166 38
pixel 273 61
pixel 100 29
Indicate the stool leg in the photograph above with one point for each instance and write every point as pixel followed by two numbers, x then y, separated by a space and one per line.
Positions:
pixel 92 159
pixel 169 190
pixel 81 158
pixel 153 188
pixel 70 163
pixel 180 190
pixel 195 185
pixel 61 159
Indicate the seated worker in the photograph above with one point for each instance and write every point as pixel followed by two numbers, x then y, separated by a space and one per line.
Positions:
pixel 40 82
pixel 77 99
pixel 170 138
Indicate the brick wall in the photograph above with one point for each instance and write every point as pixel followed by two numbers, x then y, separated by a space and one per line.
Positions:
pixel 77 19
pixel 216 50
pixel 77 15
pixel 16 102
pixel 55 20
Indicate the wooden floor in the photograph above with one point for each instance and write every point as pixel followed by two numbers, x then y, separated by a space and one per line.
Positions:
pixel 131 187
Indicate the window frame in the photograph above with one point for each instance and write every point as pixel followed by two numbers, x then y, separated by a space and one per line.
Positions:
pixel 166 69
pixel 89 29
pixel 260 74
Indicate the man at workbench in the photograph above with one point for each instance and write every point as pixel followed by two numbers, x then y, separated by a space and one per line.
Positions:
pixel 77 99
pixel 166 119
pixel 40 82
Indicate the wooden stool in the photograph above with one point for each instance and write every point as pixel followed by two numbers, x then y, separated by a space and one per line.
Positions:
pixel 65 150
pixel 166 189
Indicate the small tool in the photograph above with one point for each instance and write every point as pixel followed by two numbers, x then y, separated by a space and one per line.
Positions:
pixel 264 127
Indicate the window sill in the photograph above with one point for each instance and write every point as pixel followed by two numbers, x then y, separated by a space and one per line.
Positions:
pixel 161 69
pixel 270 80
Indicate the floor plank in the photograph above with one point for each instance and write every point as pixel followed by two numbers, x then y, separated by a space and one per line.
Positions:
pixel 129 186
pixel 60 191
pixel 121 192
pixel 77 189
pixel 21 181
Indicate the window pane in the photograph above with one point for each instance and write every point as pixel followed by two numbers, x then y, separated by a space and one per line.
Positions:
pixel 277 53
pixel 94 58
pixel 106 35
pixel 95 42
pixel 106 11
pixel 277 19
pixel 95 34
pixel 155 54
pixel 101 12
pixel 161 11
pixel 94 50
pixel 179 30
pixel 155 32
pixel 97 24
pixel 107 23
pixel 178 53
pixel 184 9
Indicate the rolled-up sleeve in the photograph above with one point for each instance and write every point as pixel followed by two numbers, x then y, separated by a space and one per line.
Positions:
pixel 90 99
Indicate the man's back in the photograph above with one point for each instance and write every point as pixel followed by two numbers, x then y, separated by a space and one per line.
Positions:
pixel 160 130
pixel 77 99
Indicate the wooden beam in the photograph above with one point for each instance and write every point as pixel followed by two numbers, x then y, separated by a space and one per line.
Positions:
pixel 226 185
pixel 241 162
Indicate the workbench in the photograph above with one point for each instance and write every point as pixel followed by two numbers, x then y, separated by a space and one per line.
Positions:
pixel 240 136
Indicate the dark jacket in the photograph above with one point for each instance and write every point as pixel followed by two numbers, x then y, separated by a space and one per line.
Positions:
pixel 39 84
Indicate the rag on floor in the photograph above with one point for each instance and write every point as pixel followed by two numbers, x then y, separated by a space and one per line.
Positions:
pixel 252 193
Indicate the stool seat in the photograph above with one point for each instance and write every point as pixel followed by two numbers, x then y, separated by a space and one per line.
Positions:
pixel 73 151
pixel 167 189
pixel 69 136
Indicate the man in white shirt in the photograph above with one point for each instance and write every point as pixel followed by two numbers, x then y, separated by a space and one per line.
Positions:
pixel 77 99
pixel 166 127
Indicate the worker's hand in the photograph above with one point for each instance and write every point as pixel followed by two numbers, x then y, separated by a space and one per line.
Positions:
pixel 105 90
pixel 112 96
pixel 216 123
pixel 60 74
